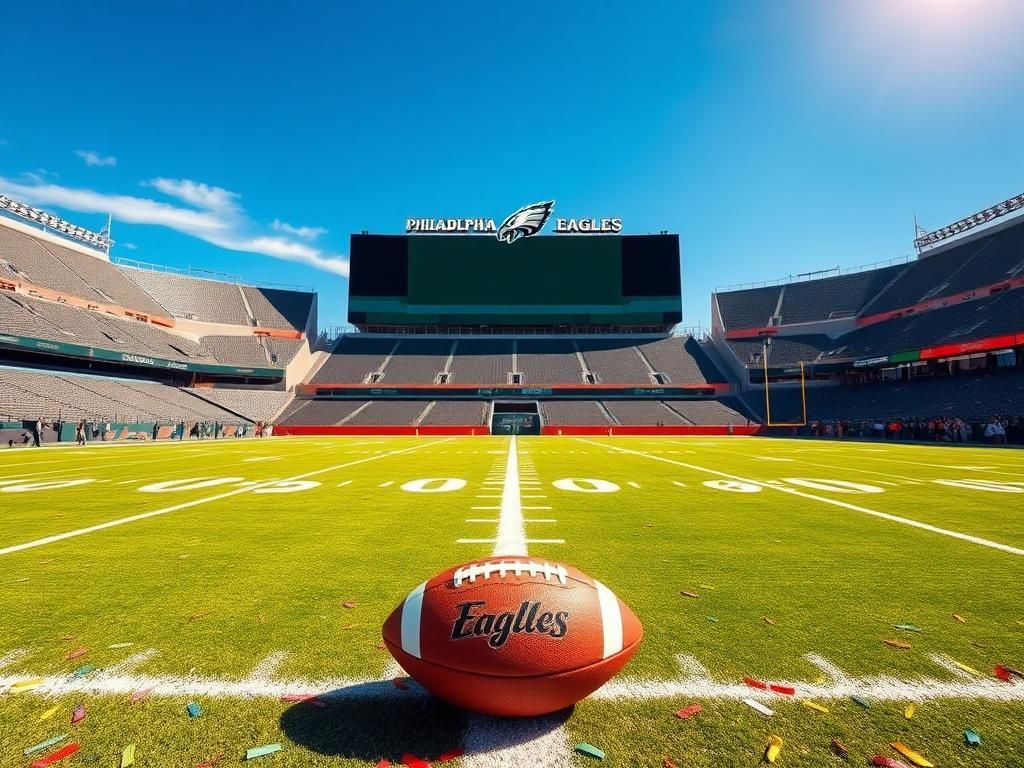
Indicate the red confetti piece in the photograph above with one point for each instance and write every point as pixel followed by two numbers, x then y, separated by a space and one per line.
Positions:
pixel 887 762
pixel 348 604
pixel 139 695
pixel 1003 673
pixel 840 749
pixel 78 715
pixel 211 762
pixel 785 690
pixel 690 711
pixel 667 762
pixel 77 653
pixel 755 683
pixel 411 761
pixel 60 754
pixel 451 754
pixel 383 764
pixel 401 683
pixel 897 644
pixel 297 696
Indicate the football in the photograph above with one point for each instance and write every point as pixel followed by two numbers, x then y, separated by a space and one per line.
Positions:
pixel 512 636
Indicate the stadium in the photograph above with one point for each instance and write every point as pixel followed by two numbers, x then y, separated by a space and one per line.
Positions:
pixel 480 433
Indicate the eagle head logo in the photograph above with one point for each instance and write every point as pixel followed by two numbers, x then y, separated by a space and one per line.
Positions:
pixel 528 220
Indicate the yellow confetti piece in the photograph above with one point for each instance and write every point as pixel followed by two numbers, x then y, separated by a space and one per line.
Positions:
pixel 49 713
pixel 815 706
pixel 128 756
pixel 965 668
pixel 773 749
pixel 960 619
pixel 26 685
pixel 820 680
pixel 909 710
pixel 915 757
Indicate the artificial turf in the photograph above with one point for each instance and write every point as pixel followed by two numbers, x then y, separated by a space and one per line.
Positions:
pixel 264 564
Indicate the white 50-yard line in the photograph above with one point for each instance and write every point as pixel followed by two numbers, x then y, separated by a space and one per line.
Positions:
pixel 207 499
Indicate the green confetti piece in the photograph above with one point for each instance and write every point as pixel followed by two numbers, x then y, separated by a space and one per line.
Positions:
pixel 908 627
pixel 972 738
pixel 43 745
pixel 82 671
pixel 712 619
pixel 269 749
pixel 589 749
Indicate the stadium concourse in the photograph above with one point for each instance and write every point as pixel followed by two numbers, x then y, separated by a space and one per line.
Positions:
pixel 929 348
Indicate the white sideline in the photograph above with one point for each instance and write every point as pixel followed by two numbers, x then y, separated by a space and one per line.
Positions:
pixel 694 681
pixel 196 502
pixel 825 500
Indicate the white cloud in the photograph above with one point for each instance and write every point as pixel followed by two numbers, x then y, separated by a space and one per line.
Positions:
pixel 95 159
pixel 306 233
pixel 215 216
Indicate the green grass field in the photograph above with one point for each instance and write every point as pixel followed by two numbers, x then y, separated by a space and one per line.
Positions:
pixel 223 573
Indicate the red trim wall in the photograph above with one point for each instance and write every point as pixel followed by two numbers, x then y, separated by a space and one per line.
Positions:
pixel 676 429
pixel 343 429
pixel 964 348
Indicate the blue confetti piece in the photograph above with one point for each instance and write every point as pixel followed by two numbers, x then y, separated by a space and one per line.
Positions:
pixel 861 702
pixel 972 738
pixel 255 752
pixel 194 710
pixel 82 671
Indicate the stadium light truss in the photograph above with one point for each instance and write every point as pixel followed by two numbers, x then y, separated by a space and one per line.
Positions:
pixel 97 239
pixel 970 222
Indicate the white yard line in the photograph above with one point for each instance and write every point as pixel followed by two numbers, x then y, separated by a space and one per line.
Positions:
pixel 511 537
pixel 833 502
pixel 205 500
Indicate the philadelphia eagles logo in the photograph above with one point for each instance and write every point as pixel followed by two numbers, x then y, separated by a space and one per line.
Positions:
pixel 528 220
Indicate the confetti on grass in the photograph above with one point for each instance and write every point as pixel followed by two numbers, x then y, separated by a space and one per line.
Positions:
pixel 77 653
pixel 25 685
pixel 972 738
pixel 965 668
pixel 82 671
pixel 898 644
pixel 194 710
pixel 43 745
pixel 60 754
pixel 411 761
pixel 915 757
pixel 121 645
pixel 785 690
pixel 908 627
pixel 815 706
pixel 383 764
pixel 769 621
pixel 210 762
pixel 451 754
pixel 771 752
pixel 667 762
pixel 840 749
pixel 139 695
pixel 887 762
pixel 348 604
pixel 690 711
pixel 49 713
pixel 590 750
pixel 909 710
pixel 960 619
pixel 758 707
pixel 861 702
pixel 78 715
pixel 128 756
pixel 269 749
pixel 684 593
pixel 754 683
pixel 712 619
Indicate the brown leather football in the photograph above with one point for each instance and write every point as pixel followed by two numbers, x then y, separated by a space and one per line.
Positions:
pixel 512 636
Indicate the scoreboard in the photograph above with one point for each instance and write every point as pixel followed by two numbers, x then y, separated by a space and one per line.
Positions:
pixel 474 280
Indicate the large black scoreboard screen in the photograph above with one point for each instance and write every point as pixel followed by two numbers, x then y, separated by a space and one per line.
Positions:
pixel 474 280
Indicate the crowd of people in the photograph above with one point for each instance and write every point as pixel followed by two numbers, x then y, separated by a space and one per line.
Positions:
pixel 102 431
pixel 997 430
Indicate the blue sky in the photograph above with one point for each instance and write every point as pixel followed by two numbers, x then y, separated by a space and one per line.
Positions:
pixel 775 137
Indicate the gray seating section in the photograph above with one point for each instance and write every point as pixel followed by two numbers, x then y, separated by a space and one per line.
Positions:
pixel 683 360
pixel 707 412
pixel 277 308
pixel 50 265
pixel 253 404
pixel 750 308
pixel 47 395
pixel 247 351
pixel 319 412
pixel 352 359
pixel 572 413
pixel 417 361
pixel 456 413
pixel 281 351
pixel 548 362
pixel 483 361
pixel 642 412
pixel 958 268
pixel 834 297
pixel 210 301
pixel 784 350
pixel 389 413
pixel 615 361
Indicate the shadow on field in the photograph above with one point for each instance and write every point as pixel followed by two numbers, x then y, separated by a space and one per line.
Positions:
pixel 371 721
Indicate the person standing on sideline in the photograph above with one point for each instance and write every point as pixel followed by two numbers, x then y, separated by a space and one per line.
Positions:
pixel 80 433
pixel 37 433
